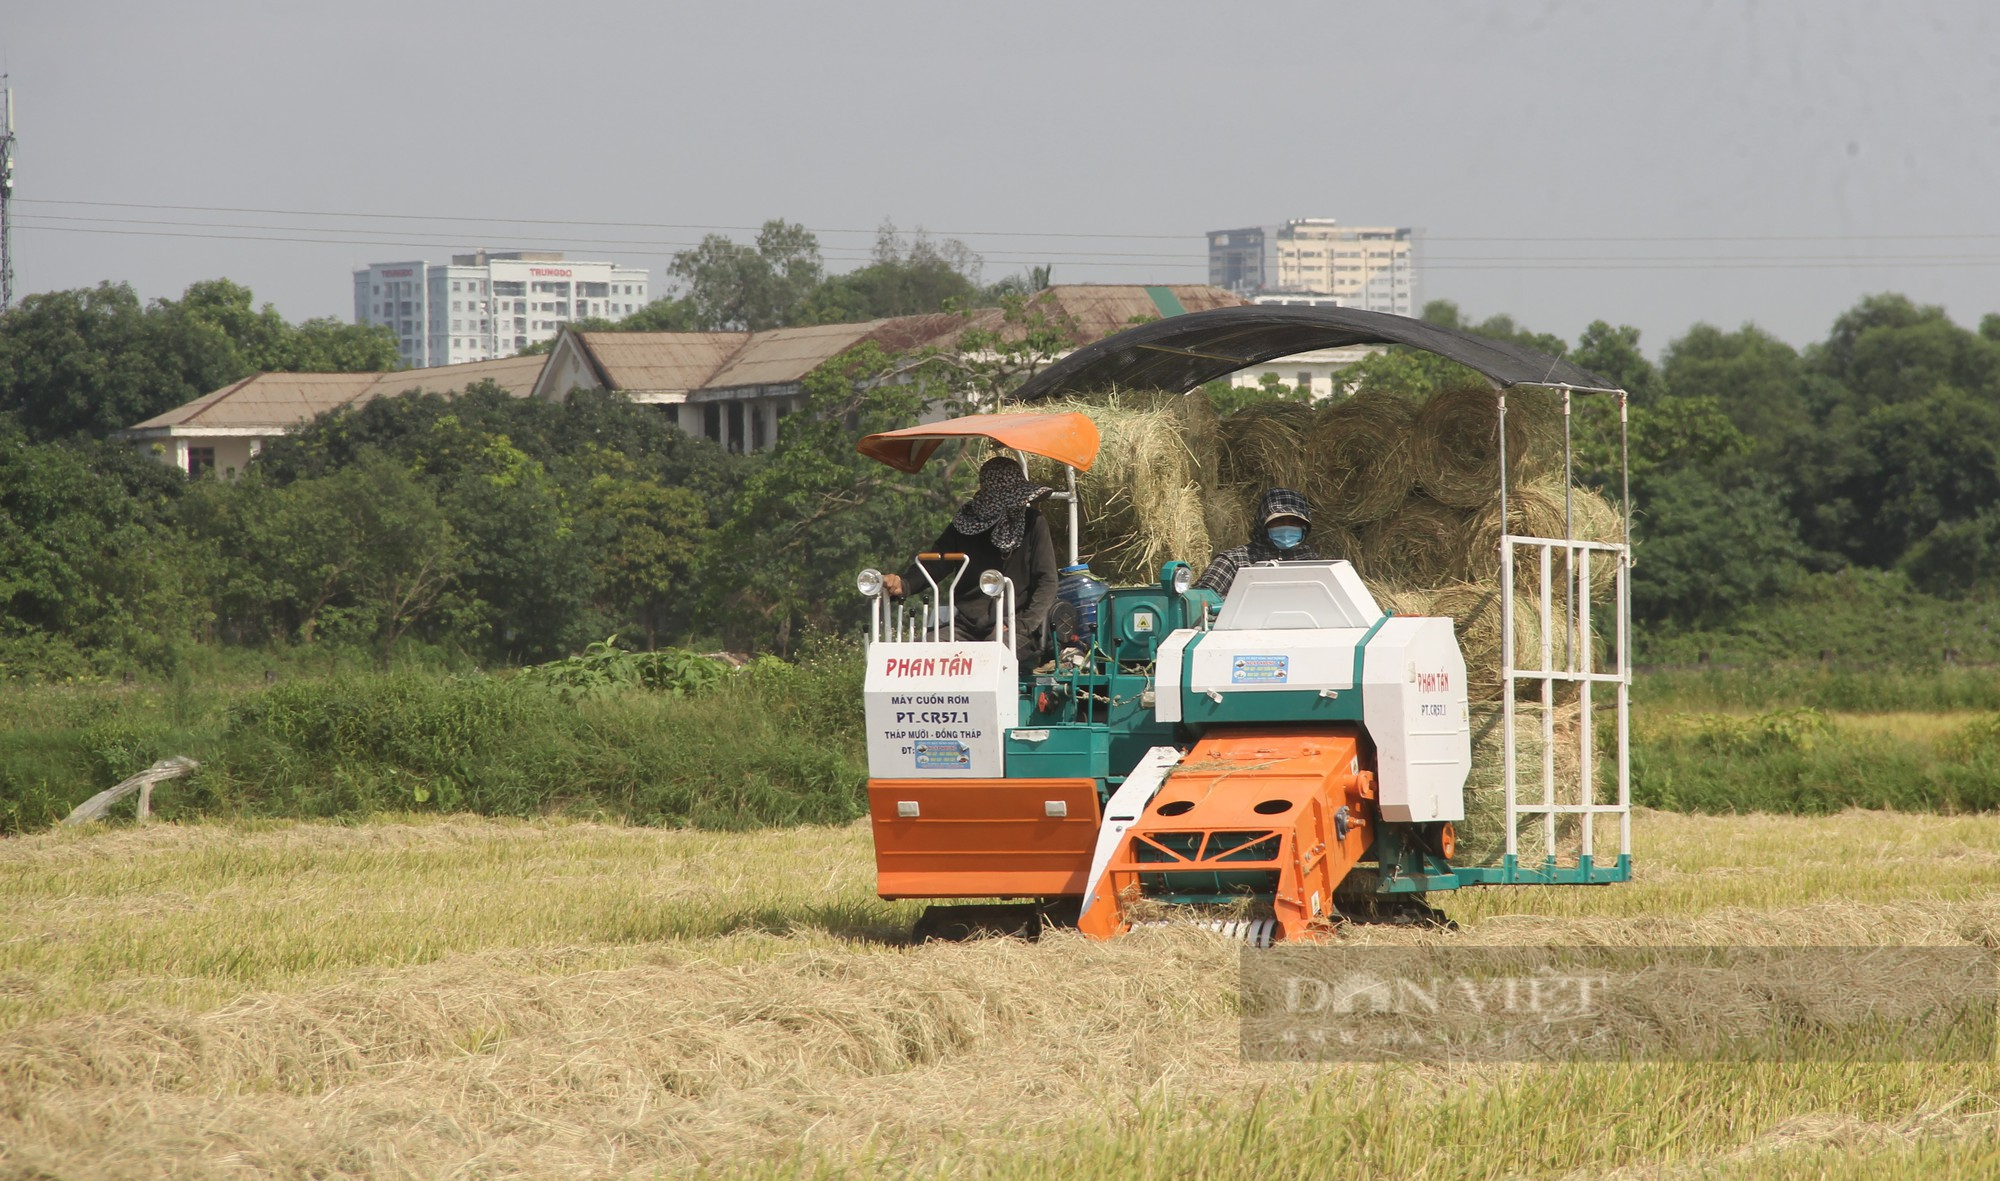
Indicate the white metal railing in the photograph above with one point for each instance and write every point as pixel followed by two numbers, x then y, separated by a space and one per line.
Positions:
pixel 934 620
pixel 1577 663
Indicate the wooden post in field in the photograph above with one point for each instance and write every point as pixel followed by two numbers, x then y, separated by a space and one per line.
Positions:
pixel 96 806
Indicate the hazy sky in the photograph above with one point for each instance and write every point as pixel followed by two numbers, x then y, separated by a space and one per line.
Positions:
pixel 1655 164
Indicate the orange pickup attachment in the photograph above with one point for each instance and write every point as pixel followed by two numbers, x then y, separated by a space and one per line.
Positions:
pixel 982 838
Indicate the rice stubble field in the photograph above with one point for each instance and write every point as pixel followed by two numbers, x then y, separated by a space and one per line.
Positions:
pixel 422 997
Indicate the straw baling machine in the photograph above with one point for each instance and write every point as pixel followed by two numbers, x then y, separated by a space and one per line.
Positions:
pixel 1268 763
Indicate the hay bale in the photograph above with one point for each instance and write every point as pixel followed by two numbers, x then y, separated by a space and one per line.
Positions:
pixel 1143 501
pixel 1422 544
pixel 1403 600
pixel 1336 541
pixel 1482 834
pixel 1361 468
pixel 1228 509
pixel 1535 509
pixel 1264 444
pixel 1474 610
pixel 1454 444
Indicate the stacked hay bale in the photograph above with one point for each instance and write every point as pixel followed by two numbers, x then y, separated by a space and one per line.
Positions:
pixel 1147 498
pixel 1406 490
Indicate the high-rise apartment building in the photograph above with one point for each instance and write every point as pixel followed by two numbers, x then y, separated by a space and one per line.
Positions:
pixel 484 306
pixel 1316 260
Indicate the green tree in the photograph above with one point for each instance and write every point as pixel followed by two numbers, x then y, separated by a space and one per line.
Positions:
pixel 360 555
pixel 1027 284
pixel 1614 353
pixel 579 515
pixel 1957 557
pixel 646 543
pixel 1865 494
pixel 81 363
pixel 1756 377
pixel 1228 399
pixel 92 361
pixel 663 315
pixel 908 275
pixel 731 287
pixel 1887 349
pixel 817 511
pixel 1406 372
pixel 88 564
pixel 1702 550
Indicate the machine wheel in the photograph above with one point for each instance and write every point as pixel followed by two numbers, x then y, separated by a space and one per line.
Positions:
pixel 1441 839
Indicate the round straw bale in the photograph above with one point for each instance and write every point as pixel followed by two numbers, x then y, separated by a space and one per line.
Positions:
pixel 1482 835
pixel 1403 600
pixel 1201 429
pixel 1534 509
pixel 1265 444
pixel 1229 507
pixel 1474 609
pixel 1142 500
pixel 1361 468
pixel 1421 544
pixel 1333 542
pixel 1455 443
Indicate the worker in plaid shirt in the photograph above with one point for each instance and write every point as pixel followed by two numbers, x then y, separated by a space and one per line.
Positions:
pixel 1277 534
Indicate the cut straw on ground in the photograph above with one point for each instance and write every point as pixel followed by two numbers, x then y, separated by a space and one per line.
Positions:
pixel 586 1000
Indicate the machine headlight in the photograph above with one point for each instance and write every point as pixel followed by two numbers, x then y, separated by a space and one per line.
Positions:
pixel 1183 578
pixel 991 583
pixel 869 582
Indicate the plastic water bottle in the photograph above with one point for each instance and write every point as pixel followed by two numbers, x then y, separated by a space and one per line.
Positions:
pixel 1083 592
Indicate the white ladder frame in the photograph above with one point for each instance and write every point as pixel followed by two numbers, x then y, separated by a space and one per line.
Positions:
pixel 1581 660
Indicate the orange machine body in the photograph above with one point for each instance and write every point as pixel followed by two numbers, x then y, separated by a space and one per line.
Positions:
pixel 1283 813
pixel 983 838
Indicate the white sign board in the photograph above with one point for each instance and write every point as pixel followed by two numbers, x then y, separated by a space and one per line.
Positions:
pixel 937 711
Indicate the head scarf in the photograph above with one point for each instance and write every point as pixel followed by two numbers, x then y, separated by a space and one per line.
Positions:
pixel 1279 502
pixel 1001 504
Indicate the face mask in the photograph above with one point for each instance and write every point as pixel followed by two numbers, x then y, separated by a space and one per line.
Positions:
pixel 1285 536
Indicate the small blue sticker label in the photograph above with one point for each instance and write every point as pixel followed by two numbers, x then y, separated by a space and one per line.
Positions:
pixel 943 754
pixel 1260 670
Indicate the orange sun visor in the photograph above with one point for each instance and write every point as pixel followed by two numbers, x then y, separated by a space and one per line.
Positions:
pixel 1065 438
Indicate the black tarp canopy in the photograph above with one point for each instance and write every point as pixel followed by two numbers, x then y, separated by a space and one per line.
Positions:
pixel 1182 352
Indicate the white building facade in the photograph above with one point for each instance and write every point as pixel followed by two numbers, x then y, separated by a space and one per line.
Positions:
pixel 484 306
pixel 1318 373
pixel 1316 262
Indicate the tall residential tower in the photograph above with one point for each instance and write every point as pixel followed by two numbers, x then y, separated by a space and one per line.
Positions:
pixel 487 305
pixel 1316 260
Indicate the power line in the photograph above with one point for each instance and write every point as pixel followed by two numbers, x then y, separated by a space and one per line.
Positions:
pixel 621 243
pixel 1071 255
pixel 1156 262
pixel 436 244
pixel 1454 238
pixel 533 221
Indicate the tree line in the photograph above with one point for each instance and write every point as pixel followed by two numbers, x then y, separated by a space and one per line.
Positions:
pixel 513 530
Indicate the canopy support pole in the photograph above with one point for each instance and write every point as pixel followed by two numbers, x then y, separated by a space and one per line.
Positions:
pixel 1074 516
